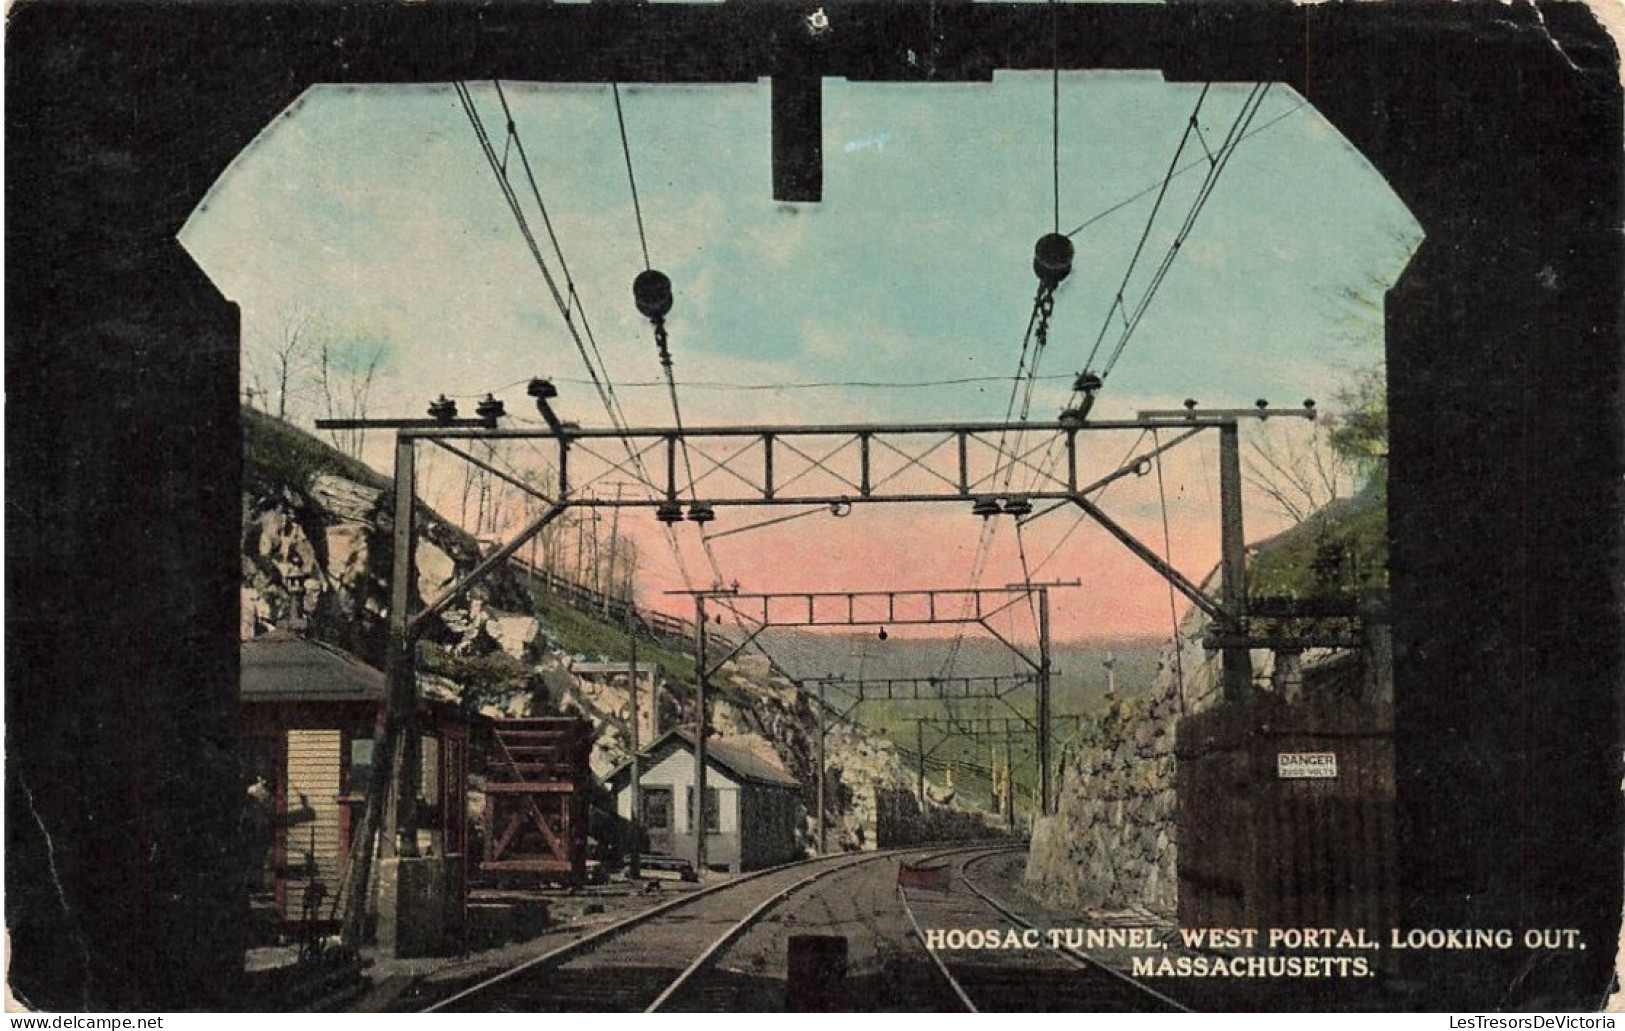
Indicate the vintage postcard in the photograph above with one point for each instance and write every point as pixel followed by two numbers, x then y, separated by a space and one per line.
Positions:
pixel 921 507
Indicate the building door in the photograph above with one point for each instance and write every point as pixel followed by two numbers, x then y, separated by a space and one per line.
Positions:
pixel 657 814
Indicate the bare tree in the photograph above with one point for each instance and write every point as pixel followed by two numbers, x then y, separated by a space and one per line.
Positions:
pixel 280 357
pixel 346 370
pixel 1300 476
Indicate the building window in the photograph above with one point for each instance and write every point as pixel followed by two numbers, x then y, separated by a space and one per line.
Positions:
pixel 656 808
pixel 360 767
pixel 713 812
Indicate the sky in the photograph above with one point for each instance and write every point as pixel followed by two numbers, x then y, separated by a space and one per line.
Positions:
pixel 374 209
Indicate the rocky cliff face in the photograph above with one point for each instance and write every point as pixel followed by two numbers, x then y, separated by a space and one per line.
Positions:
pixel 317 549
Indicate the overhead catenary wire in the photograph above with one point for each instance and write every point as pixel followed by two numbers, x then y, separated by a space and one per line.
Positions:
pixel 1188 166
pixel 1227 149
pixel 813 384
pixel 631 180
pixel 1055 106
pixel 660 336
pixel 1168 557
pixel 1145 234
pixel 1130 323
pixel 567 304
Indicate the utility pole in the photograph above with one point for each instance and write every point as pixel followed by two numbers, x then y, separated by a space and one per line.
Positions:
pixel 919 747
pixel 637 761
pixel 614 538
pixel 1237 663
pixel 702 677
pixel 1043 702
pixel 390 769
pixel 1009 786
pixel 822 730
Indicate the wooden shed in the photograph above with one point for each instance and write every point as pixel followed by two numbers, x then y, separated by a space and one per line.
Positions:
pixel 309 713
pixel 753 807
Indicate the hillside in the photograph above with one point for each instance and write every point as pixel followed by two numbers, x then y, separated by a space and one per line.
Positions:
pixel 316 551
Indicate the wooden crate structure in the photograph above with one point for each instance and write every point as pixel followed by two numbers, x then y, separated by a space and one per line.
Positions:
pixel 537 784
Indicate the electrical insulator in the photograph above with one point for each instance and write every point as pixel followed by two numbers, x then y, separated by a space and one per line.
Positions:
pixel 443 409
pixel 701 513
pixel 1073 417
pixel 1018 507
pixel 542 389
pixel 1086 383
pixel 651 291
pixel 986 507
pixel 669 512
pixel 1052 259
pixel 490 409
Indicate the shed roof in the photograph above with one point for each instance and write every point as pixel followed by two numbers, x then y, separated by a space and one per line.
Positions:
pixel 740 763
pixel 280 667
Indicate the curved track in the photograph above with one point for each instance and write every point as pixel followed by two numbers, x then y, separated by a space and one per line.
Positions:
pixel 662 958
pixel 1017 980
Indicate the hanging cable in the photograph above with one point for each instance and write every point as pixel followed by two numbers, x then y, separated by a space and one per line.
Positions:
pixel 652 293
pixel 626 151
pixel 1055 106
pixel 566 303
pixel 1226 150
pixel 1145 234
pixel 1088 382
pixel 1168 557
pixel 1186 167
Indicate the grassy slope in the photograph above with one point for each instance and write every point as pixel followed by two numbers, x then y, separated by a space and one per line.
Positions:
pixel 1284 563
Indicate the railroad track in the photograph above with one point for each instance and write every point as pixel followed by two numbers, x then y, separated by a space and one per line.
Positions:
pixel 1049 979
pixel 661 959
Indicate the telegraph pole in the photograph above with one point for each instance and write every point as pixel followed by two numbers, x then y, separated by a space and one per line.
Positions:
pixel 1237 663
pixel 919 745
pixel 635 869
pixel 1043 702
pixel 702 723
pixel 401 679
pixel 823 728
pixel 702 679
pixel 1009 786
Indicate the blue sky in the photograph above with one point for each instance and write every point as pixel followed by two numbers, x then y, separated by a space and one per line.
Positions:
pixel 374 207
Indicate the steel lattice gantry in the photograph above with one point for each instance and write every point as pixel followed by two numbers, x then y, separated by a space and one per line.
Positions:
pixel 1002 467
pixel 924 607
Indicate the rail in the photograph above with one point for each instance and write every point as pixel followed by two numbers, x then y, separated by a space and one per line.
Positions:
pixel 1071 955
pixel 585 945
